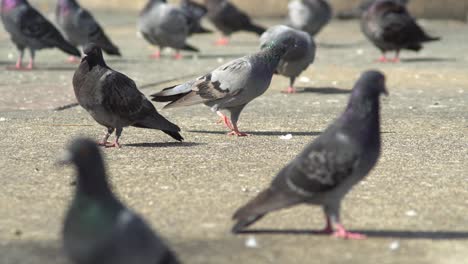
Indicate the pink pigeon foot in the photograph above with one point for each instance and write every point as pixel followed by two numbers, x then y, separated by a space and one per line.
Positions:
pixel 222 41
pixel 156 55
pixel 328 228
pixel 289 90
pixel 341 232
pixel 395 60
pixel 224 119
pixel 383 59
pixel 73 59
pixel 30 65
pixel 238 133
pixel 178 56
pixel 116 144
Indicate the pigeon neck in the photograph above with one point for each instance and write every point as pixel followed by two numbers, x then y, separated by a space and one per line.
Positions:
pixel 95 61
pixel 363 115
pixel 92 181
pixel 65 5
pixel 272 56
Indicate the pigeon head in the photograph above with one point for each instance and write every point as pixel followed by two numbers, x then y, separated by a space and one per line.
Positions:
pixel 9 4
pixel 371 83
pixel 94 54
pixel 281 45
pixel 384 6
pixel 84 154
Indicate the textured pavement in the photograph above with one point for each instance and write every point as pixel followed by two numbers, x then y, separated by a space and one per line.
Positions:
pixel 413 206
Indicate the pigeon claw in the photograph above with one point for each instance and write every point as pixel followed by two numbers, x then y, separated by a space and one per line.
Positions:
pixel 222 41
pixel 382 59
pixel 178 56
pixel 238 133
pixel 290 90
pixel 156 55
pixel 341 232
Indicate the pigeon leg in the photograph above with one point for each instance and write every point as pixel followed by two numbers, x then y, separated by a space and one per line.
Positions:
pixel 332 211
pixel 397 57
pixel 383 58
pixel 224 119
pixel 116 143
pixel 290 89
pixel 235 132
pixel 328 228
pixel 107 134
pixel 222 41
pixel 19 63
pixel 178 56
pixel 31 59
pixel 156 55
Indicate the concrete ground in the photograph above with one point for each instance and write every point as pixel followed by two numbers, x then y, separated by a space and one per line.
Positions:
pixel 413 206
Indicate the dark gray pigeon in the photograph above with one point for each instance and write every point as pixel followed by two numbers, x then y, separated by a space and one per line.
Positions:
pixel 309 15
pixel 29 29
pixel 231 86
pixel 98 228
pixel 331 165
pixel 165 25
pixel 297 59
pixel 361 8
pixel 113 99
pixel 389 26
pixel 195 12
pixel 80 27
pixel 228 19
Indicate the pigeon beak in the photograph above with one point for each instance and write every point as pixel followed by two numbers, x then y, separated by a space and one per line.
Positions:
pixel 64 159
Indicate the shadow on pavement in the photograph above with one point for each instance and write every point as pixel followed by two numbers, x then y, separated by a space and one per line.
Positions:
pixel 163 144
pixel 435 235
pixel 260 133
pixel 323 90
pixel 26 252
pixel 428 59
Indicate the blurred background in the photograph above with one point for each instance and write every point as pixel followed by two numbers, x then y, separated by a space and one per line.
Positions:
pixel 439 9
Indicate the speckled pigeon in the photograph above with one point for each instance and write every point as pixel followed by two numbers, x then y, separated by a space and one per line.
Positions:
pixel 29 29
pixel 227 18
pixel 309 15
pixel 113 99
pixel 98 228
pixel 80 27
pixel 297 59
pixel 389 26
pixel 331 165
pixel 231 86
pixel 195 12
pixel 165 25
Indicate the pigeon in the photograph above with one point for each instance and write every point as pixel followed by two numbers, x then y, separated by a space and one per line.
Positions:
pixel 329 166
pixel 309 15
pixel 389 26
pixel 29 29
pixel 113 99
pixel 99 228
pixel 296 60
pixel 80 27
pixel 227 18
pixel 194 12
pixel 231 86
pixel 361 8
pixel 165 25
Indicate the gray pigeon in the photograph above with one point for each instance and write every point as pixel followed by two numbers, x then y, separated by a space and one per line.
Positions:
pixel 113 99
pixel 389 26
pixel 231 86
pixel 98 228
pixel 361 8
pixel 309 15
pixel 297 59
pixel 29 29
pixel 165 25
pixel 80 27
pixel 195 12
pixel 331 165
pixel 227 18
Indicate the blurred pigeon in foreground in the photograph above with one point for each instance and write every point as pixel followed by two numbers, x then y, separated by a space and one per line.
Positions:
pixel 113 99
pixel 309 15
pixel 29 29
pixel 165 25
pixel 195 12
pixel 228 19
pixel 80 27
pixel 331 165
pixel 98 228
pixel 297 59
pixel 231 86
pixel 361 8
pixel 389 26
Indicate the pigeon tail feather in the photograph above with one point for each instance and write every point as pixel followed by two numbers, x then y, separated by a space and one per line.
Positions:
pixel 68 48
pixel 256 29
